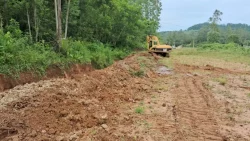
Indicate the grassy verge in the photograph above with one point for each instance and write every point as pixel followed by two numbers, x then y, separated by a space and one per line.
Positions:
pixel 228 56
pixel 226 52
pixel 20 55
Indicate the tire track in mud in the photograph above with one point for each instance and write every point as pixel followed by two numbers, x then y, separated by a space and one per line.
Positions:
pixel 194 111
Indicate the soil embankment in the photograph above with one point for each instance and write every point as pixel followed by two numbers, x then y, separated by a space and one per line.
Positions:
pixel 7 82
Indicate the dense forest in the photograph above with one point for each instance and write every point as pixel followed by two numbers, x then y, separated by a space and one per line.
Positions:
pixel 209 32
pixel 35 34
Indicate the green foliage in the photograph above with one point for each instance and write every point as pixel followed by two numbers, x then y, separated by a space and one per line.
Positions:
pixel 18 55
pixel 140 110
pixel 214 20
pixel 99 32
pixel 223 47
pixel 14 28
pixel 102 56
pixel 210 32
pixel 233 39
pixel 202 34
pixel 198 26
pixel 76 51
pixel 119 23
pixel 213 37
pixel 233 27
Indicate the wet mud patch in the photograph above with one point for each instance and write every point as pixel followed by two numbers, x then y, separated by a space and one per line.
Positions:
pixel 163 70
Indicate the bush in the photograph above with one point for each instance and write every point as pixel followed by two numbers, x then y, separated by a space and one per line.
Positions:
pixel 230 48
pixel 76 51
pixel 18 55
pixel 102 56
pixel 218 46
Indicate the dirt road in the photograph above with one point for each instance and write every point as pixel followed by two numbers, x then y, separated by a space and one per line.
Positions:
pixel 138 98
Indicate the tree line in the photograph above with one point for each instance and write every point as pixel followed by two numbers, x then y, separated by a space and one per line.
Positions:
pixel 38 34
pixel 209 32
pixel 118 23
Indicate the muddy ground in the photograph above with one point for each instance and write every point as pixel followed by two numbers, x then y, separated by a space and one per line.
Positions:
pixel 140 98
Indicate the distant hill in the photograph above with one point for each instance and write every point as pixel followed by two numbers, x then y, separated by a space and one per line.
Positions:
pixel 198 33
pixel 222 26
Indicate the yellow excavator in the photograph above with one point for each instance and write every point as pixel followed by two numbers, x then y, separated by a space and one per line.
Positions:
pixel 154 46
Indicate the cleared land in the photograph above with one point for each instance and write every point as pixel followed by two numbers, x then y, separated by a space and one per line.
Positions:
pixel 190 96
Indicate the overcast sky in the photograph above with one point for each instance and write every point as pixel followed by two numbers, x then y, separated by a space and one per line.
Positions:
pixel 181 14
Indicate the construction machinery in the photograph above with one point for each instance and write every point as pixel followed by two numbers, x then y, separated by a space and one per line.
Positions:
pixel 154 46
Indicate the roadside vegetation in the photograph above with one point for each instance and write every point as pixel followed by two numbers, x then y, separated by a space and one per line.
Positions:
pixel 19 55
pixel 37 34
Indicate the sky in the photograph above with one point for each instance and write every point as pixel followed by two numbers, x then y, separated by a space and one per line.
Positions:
pixel 181 14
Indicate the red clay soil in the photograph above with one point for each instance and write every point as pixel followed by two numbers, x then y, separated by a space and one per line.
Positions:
pixel 115 104
pixel 7 82
pixel 83 103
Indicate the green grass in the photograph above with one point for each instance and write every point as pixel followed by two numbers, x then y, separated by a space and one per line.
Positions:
pixel 228 52
pixel 139 110
pixel 167 62
pixel 248 95
pixel 221 80
pixel 139 73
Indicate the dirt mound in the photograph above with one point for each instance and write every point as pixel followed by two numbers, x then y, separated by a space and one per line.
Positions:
pixel 85 103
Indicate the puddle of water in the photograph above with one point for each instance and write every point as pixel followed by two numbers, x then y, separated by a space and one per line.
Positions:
pixel 163 70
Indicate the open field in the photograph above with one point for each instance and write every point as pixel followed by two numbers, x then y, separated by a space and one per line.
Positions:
pixel 187 97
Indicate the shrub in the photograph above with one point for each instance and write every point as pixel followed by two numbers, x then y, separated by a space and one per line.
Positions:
pixel 221 80
pixel 17 54
pixel 230 48
pixel 102 56
pixel 76 51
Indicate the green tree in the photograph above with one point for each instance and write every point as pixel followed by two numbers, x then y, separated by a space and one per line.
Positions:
pixel 215 19
pixel 202 34
pixel 233 38
pixel 213 37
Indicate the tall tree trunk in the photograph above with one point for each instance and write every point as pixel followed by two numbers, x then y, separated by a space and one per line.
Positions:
pixel 28 18
pixel 1 22
pixel 36 22
pixel 58 11
pixel 59 23
pixel 67 20
pixel 56 16
pixel 5 13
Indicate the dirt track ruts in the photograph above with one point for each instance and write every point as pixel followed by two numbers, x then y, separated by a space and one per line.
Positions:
pixel 194 111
